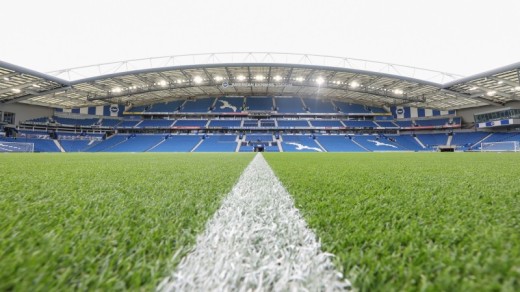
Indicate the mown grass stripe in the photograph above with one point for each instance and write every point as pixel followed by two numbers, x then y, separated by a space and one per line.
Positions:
pixel 256 240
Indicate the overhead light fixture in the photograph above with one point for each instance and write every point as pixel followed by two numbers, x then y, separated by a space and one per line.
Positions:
pixel 473 88
pixel 179 80
pixel 491 93
pixel 299 79
pixel 162 83
pixel 259 77
pixel 500 82
pixel 354 84
pixel 277 78
pixel 197 79
pixel 218 78
pixel 117 90
pixel 6 78
pixel 241 77
pixel 16 90
pixel 398 91
pixel 320 80
pixel 517 88
pixel 36 85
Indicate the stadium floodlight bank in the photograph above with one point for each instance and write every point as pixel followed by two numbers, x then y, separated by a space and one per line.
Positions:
pixel 16 147
pixel 505 146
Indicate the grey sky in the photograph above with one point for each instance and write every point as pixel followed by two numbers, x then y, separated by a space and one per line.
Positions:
pixel 464 37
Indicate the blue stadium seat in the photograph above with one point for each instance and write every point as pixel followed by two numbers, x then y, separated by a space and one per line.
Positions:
pixel 299 143
pixel 177 143
pixel 316 105
pixel 200 105
pixel 218 143
pixel 264 103
pixel 289 105
pixel 229 104
pixel 339 143
pixel 293 123
pixel 326 123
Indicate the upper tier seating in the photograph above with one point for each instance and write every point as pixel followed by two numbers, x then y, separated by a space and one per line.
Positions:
pixel 250 123
pixel 76 122
pixel 128 124
pixel 264 103
pixel 42 120
pixel 106 122
pixel 501 137
pixel 165 107
pixel 431 122
pixel 352 108
pixel 315 105
pixel 200 105
pixel 267 123
pixel 228 104
pixel 386 124
pixel 289 105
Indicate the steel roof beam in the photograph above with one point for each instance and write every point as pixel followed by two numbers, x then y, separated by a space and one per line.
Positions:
pixel 477 97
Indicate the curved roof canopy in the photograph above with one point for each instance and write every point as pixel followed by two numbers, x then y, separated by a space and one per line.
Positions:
pixel 245 74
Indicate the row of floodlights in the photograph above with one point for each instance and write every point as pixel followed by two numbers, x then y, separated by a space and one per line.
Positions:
pixel 198 80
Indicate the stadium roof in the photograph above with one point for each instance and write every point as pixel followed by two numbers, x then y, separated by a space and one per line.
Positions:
pixel 244 74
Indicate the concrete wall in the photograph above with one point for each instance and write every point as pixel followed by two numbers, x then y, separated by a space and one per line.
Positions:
pixel 25 112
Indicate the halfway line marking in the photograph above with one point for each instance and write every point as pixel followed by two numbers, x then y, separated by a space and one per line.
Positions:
pixel 257 240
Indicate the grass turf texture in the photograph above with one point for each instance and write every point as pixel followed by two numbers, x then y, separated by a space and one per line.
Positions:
pixel 411 221
pixel 104 221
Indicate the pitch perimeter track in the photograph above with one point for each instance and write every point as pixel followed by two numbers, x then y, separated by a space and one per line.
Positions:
pixel 257 240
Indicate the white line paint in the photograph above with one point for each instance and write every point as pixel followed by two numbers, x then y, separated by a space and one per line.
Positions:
pixel 257 240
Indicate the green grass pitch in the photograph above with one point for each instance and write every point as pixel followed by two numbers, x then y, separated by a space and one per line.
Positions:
pixel 395 221
pixel 412 221
pixel 104 221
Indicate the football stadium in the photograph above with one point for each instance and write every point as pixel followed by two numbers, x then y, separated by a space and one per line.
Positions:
pixel 259 171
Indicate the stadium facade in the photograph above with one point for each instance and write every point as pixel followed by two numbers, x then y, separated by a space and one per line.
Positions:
pixel 231 102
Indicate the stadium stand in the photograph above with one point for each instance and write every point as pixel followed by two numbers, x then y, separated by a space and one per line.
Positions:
pixel 259 138
pixel 432 122
pixel 339 143
pixel 289 105
pixel 109 122
pixel 75 122
pixel 200 105
pixel 128 124
pixel 327 123
pixel 378 143
pixel 137 143
pixel 218 143
pixel 165 107
pixel 351 108
pixel 267 123
pixel 177 143
pixel 40 145
pixel 250 123
pixel 432 140
pixel 315 105
pixel 503 136
pixel 224 123
pixel 228 104
pixel 300 143
pixel 76 145
pixel 466 140
pixel 155 124
pixel 107 144
pixel 264 103
pixel 359 124
pixel 293 123
pixel 190 123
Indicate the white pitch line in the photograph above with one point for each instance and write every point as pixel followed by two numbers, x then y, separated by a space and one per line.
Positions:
pixel 257 240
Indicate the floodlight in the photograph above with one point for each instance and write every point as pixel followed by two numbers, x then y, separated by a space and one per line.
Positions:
pixel 300 79
pixel 398 91
pixel 517 88
pixel 277 77
pixel 354 84
pixel 116 90
pixel 197 79
pixel 6 78
pixel 218 78
pixel 162 83
pixel 491 93
pixel 259 77
pixel 320 81
pixel 241 77
pixel 16 90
